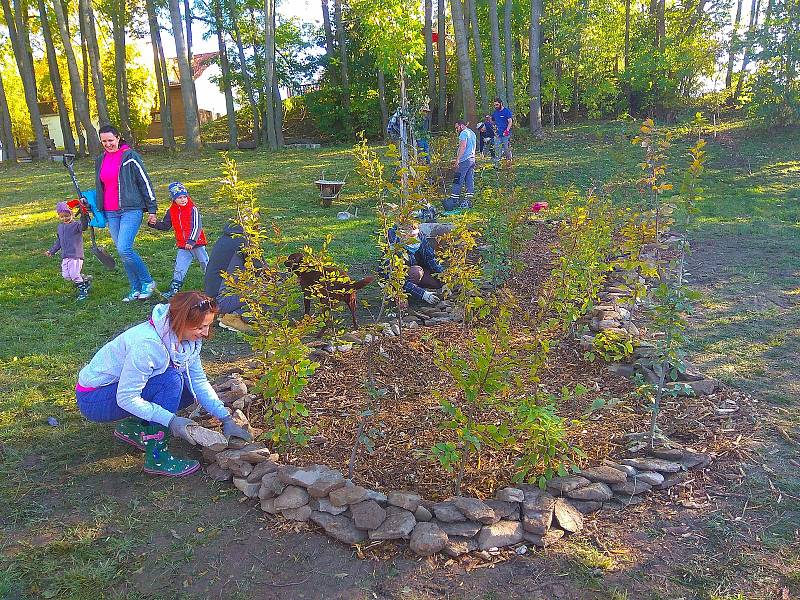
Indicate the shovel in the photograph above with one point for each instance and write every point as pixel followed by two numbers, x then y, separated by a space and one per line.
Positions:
pixel 102 255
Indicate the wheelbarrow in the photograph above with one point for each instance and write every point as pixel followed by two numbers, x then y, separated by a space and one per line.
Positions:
pixel 329 189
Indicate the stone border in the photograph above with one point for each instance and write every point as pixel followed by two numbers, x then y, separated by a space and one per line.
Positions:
pixel 523 514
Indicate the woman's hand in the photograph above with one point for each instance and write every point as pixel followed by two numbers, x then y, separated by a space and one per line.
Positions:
pixel 177 427
pixel 231 429
pixel 151 219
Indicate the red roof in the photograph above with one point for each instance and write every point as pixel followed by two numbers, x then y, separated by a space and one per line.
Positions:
pixel 200 62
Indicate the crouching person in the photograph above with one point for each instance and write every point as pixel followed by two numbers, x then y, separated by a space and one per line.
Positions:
pixel 423 266
pixel 148 373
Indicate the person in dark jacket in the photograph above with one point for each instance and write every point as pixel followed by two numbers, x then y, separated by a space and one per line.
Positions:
pixel 422 266
pixel 124 192
pixel 183 217
pixel 226 257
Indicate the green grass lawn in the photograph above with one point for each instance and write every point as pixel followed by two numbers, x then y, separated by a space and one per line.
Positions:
pixel 77 518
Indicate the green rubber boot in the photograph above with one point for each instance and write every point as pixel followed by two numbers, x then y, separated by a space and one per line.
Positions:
pixel 130 431
pixel 157 458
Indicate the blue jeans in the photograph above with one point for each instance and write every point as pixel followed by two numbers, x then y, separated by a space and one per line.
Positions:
pixel 168 390
pixel 464 175
pixel 184 260
pixel 424 147
pixel 502 147
pixel 123 226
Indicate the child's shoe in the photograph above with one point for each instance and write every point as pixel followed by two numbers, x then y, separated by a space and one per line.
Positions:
pixel 132 295
pixel 83 290
pixel 174 288
pixel 147 290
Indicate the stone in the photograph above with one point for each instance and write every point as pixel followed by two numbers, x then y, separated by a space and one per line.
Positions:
pixel 568 517
pixel 624 500
pixel 368 514
pixel 422 514
pixel 561 485
pixel 271 481
pixel 456 547
pixel 326 483
pixel 632 487
pixel 261 469
pixel 586 507
pixel 705 387
pixel 239 468
pixel 379 497
pixel 319 477
pixel 504 510
pixel 301 513
pixel 672 480
pixel 631 328
pixel 427 539
pixel 537 512
pixel 339 527
pixel 399 523
pixel 217 473
pixel 621 369
pixel 462 529
pixel 653 464
pixel 207 438
pixel 651 478
pixel 248 489
pixel 292 497
pixel 406 500
pixel 447 512
pixel 348 494
pixel 548 539
pixel 352 338
pixel 268 506
pixel 599 492
pixel 627 469
pixel 474 509
pixel 324 505
pixel 502 533
pixel 606 324
pixel 256 453
pixel 510 494
pixel 604 474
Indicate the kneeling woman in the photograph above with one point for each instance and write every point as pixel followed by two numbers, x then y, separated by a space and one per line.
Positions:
pixel 145 375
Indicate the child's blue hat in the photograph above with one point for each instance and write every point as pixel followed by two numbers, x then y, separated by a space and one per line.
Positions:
pixel 176 188
pixel 63 207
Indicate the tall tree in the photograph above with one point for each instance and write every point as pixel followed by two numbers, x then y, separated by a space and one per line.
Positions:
pixel 480 66
pixel 535 91
pixel 188 93
pixel 187 12
pixel 119 18
pixel 508 6
pixel 441 23
pixel 734 48
pixel 748 48
pixel 497 58
pixel 269 76
pixel 329 49
pixel 162 77
pixel 16 31
pixel 382 102
pixel 233 133
pixel 6 134
pixel 55 80
pixel 278 109
pixel 248 82
pixel 90 33
pixel 464 64
pixel 430 64
pixel 345 76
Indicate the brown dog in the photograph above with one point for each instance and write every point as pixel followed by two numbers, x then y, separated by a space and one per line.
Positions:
pixel 342 289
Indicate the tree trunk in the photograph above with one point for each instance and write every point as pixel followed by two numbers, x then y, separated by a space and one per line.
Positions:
pixel 162 78
pixel 661 23
pixel 508 6
pixel 627 56
pixel 430 64
pixel 188 93
pixel 269 76
pixel 16 29
pixel 734 50
pixel 6 133
pixel 441 23
pixel 55 79
pixel 118 20
pixel 258 59
pixel 187 14
pixel 329 47
pixel 751 31
pixel 87 16
pixel 382 102
pixel 497 57
pixel 535 92
pixel 233 133
pixel 248 83
pixel 278 108
pixel 340 36
pixel 479 64
pixel 464 64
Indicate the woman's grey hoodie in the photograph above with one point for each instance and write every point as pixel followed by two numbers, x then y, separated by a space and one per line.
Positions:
pixel 141 352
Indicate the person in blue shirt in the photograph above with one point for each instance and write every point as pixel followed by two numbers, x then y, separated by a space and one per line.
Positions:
pixel 464 164
pixel 503 120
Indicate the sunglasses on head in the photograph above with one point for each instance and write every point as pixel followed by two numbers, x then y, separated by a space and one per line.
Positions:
pixel 207 304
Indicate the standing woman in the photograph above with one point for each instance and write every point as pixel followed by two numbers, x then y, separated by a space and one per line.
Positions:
pixel 146 374
pixel 124 192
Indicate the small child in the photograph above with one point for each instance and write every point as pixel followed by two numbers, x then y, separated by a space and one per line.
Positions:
pixel 184 218
pixel 70 242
